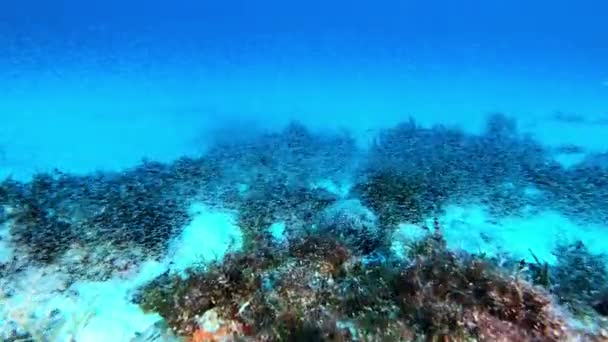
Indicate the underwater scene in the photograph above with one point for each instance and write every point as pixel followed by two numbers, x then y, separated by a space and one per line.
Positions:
pixel 303 171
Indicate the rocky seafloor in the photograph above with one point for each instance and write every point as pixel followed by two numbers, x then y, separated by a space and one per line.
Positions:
pixel 331 241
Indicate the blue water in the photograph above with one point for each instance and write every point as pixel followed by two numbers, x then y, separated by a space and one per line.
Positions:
pixel 74 71
pixel 100 86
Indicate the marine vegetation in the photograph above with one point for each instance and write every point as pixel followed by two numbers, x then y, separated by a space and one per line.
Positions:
pixel 294 155
pixel 393 197
pixel 444 164
pixel 318 290
pixel 141 208
pixel 354 225
pixel 332 276
pixel 580 278
pixel 42 231
pixel 267 203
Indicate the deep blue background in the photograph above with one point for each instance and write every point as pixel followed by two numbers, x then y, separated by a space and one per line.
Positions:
pixel 534 31
pixel 88 84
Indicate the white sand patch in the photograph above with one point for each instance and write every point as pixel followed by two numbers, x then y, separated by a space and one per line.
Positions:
pixel 87 311
pixel 473 230
pixel 277 231
pixel 94 311
pixel 24 302
pixel 209 236
pixel 403 236
pixel 104 311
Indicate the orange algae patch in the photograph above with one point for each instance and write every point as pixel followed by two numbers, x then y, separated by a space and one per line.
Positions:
pixel 220 335
pixel 226 332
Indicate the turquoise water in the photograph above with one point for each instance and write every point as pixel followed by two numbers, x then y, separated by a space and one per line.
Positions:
pixel 82 72
pixel 273 102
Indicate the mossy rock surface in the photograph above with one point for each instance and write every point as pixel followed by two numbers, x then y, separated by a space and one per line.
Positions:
pixel 393 196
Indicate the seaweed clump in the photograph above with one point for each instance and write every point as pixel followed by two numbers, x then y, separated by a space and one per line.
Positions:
pixel 444 296
pixel 580 278
pixel 267 203
pixel 38 227
pixel 317 289
pixel 294 155
pixel 225 286
pixel 393 196
pixel 445 164
pixel 271 294
pixel 498 167
pixel 354 225
pixel 140 208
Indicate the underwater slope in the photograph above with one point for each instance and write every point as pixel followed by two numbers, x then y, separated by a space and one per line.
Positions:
pixel 431 232
pixel 148 72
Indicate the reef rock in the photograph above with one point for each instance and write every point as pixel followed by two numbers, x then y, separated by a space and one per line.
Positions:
pixel 353 224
